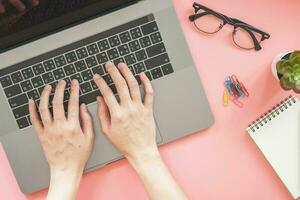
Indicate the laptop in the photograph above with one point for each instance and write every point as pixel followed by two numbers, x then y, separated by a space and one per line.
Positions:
pixel 73 40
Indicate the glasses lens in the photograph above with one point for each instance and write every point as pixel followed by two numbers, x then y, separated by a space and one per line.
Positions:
pixel 209 23
pixel 243 39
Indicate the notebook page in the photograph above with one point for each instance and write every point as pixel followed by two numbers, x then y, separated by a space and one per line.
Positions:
pixel 279 141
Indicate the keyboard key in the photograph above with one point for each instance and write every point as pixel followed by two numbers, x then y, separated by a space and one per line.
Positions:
pixel 157 61
pixel 13 90
pixel 93 84
pixel 167 69
pixel 139 67
pixel 123 49
pixel 28 118
pixel 53 87
pixel 21 111
pixel 82 53
pixel 91 61
pixel 155 37
pixel 48 77
pixel 5 81
pixel 49 65
pixel 16 77
pixel 70 69
pixel 136 33
pixel 156 50
pixel 37 81
pixel 68 82
pixel 33 94
pixel 148 74
pixel 90 97
pixel 103 45
pixel 114 41
pixel 98 70
pixel 60 61
pixel 131 69
pixel 66 95
pixel 38 69
pixel 27 73
pixel 92 49
pixel 108 79
pixel 141 55
pixel 125 37
pixel 134 46
pixel 18 101
pixel 71 57
pixel 145 41
pixel 80 65
pixel 113 88
pixel 59 74
pixel 130 59
pixel 118 61
pixel 102 57
pixel 26 86
pixel 156 73
pixel 86 87
pixel 87 75
pixel 112 54
pixel 77 77
pixel 149 28
pixel 23 122
pixel 40 90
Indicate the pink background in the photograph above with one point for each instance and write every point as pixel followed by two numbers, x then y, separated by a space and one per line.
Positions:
pixel 221 162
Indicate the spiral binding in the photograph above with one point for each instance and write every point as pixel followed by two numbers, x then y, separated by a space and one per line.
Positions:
pixel 272 114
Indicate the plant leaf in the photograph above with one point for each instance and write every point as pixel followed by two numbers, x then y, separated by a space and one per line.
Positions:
pixel 294 54
pixel 297 88
pixel 280 66
pixel 295 60
pixel 286 84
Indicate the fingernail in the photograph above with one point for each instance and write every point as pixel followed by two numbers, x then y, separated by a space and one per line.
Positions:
pixel 83 106
pixel 48 87
pixel 74 82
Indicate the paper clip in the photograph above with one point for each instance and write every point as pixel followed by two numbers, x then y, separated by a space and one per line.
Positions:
pixel 242 87
pixel 226 98
pixel 237 102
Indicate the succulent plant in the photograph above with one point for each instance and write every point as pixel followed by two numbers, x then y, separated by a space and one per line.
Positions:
pixel 289 72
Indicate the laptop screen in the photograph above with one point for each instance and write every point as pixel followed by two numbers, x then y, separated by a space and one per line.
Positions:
pixel 17 27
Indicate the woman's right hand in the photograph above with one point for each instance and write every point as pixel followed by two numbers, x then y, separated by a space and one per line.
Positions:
pixel 18 4
pixel 129 125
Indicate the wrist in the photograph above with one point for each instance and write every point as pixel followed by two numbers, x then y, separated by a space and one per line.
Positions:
pixel 145 157
pixel 71 175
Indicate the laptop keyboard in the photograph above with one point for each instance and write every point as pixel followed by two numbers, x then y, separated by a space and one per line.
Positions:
pixel 138 44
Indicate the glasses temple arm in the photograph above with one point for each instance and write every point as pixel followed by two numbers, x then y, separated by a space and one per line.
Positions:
pixel 265 35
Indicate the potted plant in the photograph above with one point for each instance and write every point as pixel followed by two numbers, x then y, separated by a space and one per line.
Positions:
pixel 286 69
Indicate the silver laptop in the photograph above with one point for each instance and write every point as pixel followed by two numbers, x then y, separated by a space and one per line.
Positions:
pixel 73 40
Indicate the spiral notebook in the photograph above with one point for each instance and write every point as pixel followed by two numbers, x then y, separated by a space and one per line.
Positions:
pixel 277 134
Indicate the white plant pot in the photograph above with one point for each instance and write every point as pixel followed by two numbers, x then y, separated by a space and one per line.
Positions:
pixel 275 61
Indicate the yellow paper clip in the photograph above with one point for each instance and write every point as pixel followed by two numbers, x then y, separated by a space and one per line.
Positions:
pixel 226 98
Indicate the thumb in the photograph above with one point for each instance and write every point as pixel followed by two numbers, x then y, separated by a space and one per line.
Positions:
pixel 86 121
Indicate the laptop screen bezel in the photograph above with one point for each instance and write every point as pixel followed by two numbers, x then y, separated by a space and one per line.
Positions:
pixel 62 22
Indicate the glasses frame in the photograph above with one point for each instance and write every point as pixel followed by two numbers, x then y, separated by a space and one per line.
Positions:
pixel 232 21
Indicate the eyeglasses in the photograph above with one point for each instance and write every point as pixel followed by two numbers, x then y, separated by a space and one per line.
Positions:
pixel 244 35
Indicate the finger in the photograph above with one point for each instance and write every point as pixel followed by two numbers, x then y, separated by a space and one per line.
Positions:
pixel 119 81
pixel 149 93
pixel 34 117
pixel 18 5
pixel 34 2
pixel 131 82
pixel 44 106
pixel 73 107
pixel 87 124
pixel 103 113
pixel 108 95
pixel 58 101
pixel 2 9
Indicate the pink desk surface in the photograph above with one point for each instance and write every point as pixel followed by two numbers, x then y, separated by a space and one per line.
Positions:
pixel 221 162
